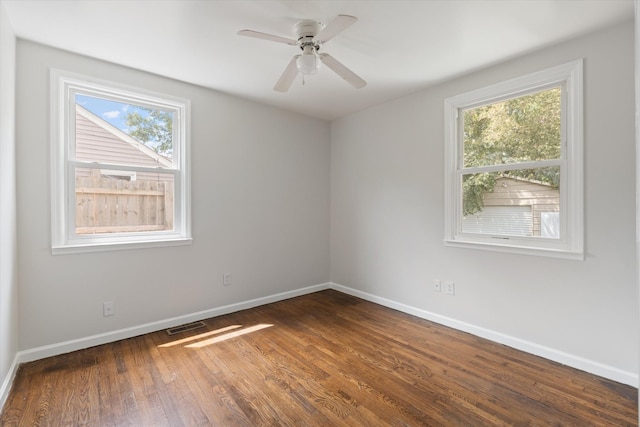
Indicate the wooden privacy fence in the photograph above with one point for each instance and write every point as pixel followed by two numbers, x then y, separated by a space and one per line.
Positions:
pixel 107 205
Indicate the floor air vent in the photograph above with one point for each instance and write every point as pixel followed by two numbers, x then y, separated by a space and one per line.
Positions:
pixel 187 327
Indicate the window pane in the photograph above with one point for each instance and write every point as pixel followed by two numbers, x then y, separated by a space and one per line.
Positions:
pixel 122 133
pixel 120 201
pixel 516 130
pixel 512 203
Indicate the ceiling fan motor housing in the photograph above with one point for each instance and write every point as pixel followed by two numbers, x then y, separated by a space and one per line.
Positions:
pixel 305 32
pixel 307 28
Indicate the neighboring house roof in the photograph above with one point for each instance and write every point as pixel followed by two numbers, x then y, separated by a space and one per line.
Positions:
pixel 98 140
pixel 527 180
pixel 511 191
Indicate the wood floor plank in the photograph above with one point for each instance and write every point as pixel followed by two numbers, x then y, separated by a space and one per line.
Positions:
pixel 318 360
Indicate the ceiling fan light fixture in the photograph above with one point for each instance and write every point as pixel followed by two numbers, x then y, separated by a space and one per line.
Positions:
pixel 308 64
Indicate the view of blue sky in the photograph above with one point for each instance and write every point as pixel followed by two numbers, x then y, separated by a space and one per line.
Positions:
pixel 111 111
pixel 150 126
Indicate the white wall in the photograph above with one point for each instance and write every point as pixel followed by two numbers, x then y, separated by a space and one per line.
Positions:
pixel 8 248
pixel 387 217
pixel 260 181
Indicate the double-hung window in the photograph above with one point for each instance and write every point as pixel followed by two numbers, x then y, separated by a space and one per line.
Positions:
pixel 119 166
pixel 513 171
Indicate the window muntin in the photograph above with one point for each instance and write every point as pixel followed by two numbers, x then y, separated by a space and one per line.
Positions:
pixel 118 182
pixel 524 134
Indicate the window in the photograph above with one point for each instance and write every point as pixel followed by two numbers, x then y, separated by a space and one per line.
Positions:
pixel 120 163
pixel 513 172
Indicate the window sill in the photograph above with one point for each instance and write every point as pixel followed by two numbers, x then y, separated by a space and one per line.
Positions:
pixel 515 249
pixel 117 246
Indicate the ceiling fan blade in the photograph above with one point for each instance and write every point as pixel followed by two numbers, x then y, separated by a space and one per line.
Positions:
pixel 288 76
pixel 337 67
pixel 265 36
pixel 335 27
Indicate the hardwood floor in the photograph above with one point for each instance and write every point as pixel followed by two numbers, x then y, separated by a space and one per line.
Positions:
pixel 318 360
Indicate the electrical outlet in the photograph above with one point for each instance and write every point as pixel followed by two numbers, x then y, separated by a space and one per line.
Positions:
pixel 108 309
pixel 437 286
pixel 450 288
pixel 226 279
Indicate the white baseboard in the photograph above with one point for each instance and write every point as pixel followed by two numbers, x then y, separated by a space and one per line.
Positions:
pixel 107 337
pixel 571 360
pixel 583 364
pixel 8 381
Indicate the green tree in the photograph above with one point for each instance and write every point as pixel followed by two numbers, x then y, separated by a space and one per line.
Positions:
pixel 517 130
pixel 152 127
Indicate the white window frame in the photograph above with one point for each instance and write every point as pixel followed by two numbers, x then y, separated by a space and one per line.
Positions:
pixel 64 86
pixel 570 245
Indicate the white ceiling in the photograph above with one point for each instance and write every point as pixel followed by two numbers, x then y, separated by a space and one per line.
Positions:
pixel 397 46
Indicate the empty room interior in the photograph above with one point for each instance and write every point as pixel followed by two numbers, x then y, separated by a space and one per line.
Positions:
pixel 318 212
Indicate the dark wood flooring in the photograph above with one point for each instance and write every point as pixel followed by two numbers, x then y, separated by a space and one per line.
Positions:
pixel 323 359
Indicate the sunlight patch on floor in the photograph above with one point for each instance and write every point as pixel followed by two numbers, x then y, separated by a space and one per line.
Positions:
pixel 200 336
pixel 229 335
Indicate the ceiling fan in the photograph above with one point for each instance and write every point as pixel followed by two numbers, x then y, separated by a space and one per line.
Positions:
pixel 310 36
